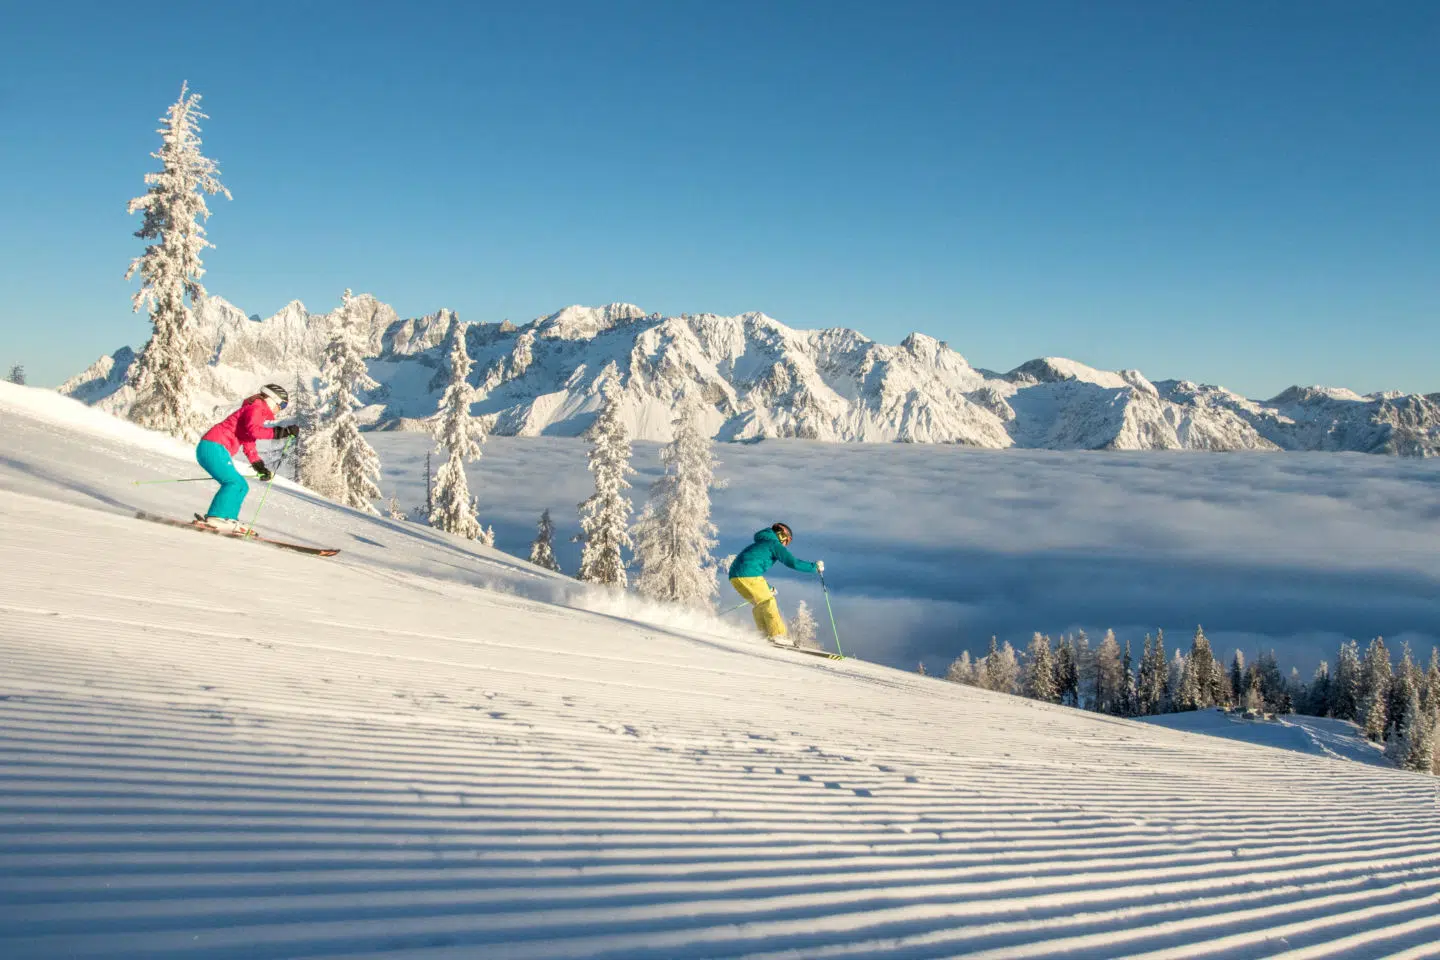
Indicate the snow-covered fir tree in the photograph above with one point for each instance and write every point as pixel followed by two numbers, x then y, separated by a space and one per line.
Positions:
pixel 1175 684
pixel 920 669
pixel 1267 677
pixel 1397 699
pixel 1067 674
pixel 1239 678
pixel 963 670
pixel 356 467
pixel 1153 685
pixel 1039 682
pixel 542 548
pixel 460 435
pixel 393 509
pixel 1375 673
pixel 1002 670
pixel 170 269
pixel 1206 684
pixel 803 628
pixel 1109 675
pixel 1131 704
pixel 1345 686
pixel 605 515
pixel 16 375
pixel 1084 671
pixel 314 451
pixel 674 536
pixel 1404 738
pixel 1318 701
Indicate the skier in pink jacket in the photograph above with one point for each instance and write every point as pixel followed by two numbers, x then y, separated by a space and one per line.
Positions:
pixel 220 444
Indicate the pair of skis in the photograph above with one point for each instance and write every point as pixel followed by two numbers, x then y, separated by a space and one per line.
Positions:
pixel 810 650
pixel 206 528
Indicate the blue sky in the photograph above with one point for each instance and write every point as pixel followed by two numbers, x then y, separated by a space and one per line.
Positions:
pixel 1243 193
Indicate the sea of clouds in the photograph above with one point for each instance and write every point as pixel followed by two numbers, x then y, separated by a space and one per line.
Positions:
pixel 931 550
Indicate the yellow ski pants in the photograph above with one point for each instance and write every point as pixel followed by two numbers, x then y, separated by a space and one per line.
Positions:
pixel 762 598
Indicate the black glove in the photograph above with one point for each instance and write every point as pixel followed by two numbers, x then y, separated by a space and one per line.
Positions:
pixel 262 471
pixel 289 430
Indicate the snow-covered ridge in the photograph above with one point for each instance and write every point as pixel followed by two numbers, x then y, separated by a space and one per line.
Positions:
pixel 763 379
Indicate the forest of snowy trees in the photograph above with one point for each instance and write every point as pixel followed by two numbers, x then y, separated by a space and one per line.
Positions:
pixel 1397 705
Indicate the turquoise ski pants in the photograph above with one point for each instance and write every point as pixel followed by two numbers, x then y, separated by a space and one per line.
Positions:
pixel 233 487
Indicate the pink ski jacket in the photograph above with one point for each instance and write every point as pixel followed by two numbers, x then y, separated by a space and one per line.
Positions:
pixel 243 427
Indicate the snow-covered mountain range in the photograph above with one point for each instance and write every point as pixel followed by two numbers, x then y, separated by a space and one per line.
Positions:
pixel 763 379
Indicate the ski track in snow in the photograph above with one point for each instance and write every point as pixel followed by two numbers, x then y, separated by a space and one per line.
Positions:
pixel 214 749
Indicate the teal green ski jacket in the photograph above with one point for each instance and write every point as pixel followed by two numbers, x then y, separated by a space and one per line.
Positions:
pixel 763 554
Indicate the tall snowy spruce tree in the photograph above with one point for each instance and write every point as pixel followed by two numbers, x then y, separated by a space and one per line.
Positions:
pixel 1039 682
pixel 356 467
pixel 1345 686
pixel 170 269
pixel 542 548
pixel 460 435
pixel 1109 676
pixel 1067 674
pixel 1375 673
pixel 674 537
pixel 605 515
pixel 17 375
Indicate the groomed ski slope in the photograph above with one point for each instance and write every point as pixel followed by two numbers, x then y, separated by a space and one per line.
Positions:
pixel 426 749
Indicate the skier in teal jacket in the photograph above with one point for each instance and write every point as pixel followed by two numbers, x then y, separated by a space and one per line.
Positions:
pixel 747 576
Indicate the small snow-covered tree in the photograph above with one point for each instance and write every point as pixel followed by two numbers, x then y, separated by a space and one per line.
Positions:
pixel 963 670
pixel 314 451
pixel 393 510
pixel 356 467
pixel 802 628
pixel 674 537
pixel 17 375
pixel 421 513
pixel 1375 673
pixel 1002 670
pixel 170 269
pixel 605 514
pixel 1039 682
pixel 542 548
pixel 460 435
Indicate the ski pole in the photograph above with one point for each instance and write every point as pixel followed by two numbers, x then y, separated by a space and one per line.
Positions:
pixel 737 606
pixel 831 611
pixel 250 530
pixel 142 483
